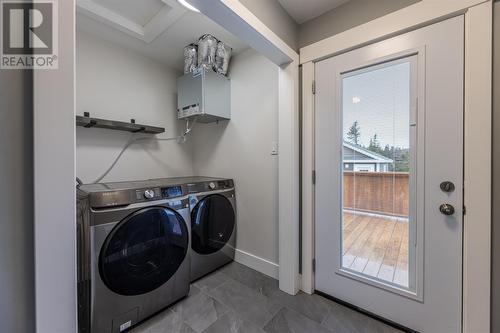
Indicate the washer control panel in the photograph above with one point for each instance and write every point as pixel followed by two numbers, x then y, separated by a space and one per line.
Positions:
pixel 172 191
pixel 147 194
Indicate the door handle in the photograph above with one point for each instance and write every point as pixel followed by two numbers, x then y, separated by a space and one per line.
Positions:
pixel 447 209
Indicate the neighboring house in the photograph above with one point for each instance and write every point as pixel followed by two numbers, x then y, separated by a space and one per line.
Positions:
pixel 357 158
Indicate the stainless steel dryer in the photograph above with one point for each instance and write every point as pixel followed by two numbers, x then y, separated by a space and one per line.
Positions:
pixel 213 223
pixel 133 252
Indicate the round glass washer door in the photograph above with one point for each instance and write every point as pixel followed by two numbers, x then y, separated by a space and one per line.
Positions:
pixel 212 224
pixel 143 251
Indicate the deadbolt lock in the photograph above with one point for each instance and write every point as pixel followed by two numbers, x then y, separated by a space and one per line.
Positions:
pixel 447 186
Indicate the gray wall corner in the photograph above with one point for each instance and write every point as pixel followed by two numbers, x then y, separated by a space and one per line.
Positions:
pixel 495 227
pixel 17 276
pixel 345 17
pixel 275 17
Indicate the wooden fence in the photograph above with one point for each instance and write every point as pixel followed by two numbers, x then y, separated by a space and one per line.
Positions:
pixel 384 193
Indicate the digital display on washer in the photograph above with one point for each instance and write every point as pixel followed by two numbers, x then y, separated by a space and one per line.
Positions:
pixel 169 192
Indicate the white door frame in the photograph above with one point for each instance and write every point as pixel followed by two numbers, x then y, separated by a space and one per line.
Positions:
pixel 477 192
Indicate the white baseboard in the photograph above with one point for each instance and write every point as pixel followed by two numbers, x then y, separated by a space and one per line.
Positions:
pixel 260 265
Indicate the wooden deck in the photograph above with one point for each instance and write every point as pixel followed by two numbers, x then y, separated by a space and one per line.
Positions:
pixel 377 246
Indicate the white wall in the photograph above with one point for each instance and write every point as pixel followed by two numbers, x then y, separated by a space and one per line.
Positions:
pixel 241 149
pixel 54 185
pixel 115 83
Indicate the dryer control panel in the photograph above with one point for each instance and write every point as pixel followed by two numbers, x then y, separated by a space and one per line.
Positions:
pixel 227 183
pixel 214 185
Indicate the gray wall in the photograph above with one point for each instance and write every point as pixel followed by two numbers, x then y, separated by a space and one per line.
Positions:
pixel 275 18
pixel 495 310
pixel 347 16
pixel 342 18
pixel 17 303
pixel 241 149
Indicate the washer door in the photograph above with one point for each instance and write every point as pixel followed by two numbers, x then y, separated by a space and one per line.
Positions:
pixel 212 224
pixel 143 251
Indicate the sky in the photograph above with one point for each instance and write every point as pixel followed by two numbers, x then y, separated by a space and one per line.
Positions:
pixel 380 101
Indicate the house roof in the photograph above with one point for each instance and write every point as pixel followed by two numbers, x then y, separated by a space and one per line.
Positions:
pixel 372 156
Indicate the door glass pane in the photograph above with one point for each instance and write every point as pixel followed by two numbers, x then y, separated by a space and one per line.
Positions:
pixel 377 167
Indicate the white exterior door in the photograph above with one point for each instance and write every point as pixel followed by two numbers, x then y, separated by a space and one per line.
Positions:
pixel 390 241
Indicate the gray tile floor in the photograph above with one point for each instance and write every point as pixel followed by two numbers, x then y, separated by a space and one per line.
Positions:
pixel 237 299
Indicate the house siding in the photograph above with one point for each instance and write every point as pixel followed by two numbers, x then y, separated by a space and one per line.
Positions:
pixel 350 154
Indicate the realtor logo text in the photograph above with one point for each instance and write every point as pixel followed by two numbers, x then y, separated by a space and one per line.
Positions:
pixel 29 34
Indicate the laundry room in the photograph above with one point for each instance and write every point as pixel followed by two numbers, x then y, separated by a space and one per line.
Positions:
pixel 279 166
pixel 135 147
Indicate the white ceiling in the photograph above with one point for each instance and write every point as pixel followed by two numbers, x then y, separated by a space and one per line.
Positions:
pixel 305 10
pixel 157 29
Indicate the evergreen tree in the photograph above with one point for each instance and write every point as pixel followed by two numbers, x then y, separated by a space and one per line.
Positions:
pixel 374 145
pixel 354 133
pixel 388 151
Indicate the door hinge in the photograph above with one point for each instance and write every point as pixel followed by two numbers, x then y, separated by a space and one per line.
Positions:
pixel 464 210
pixel 314 265
pixel 314 177
pixel 314 87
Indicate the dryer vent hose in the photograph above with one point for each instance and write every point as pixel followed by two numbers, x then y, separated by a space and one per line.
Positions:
pixel 133 140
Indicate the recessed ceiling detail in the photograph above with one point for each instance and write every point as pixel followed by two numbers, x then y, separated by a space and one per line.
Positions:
pixel 168 47
pixel 145 19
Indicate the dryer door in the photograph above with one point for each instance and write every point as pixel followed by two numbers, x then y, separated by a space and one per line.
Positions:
pixel 212 224
pixel 143 251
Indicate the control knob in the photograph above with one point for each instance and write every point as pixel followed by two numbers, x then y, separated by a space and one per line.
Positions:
pixel 149 194
pixel 212 185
